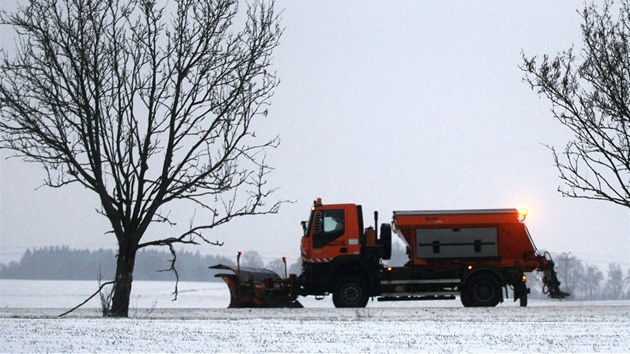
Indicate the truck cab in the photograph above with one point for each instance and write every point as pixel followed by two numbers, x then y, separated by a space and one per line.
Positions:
pixel 339 257
pixel 333 230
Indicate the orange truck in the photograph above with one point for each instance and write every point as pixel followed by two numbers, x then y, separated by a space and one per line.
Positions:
pixel 471 254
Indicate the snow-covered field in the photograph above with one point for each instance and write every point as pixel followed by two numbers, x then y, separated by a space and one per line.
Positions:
pixel 199 322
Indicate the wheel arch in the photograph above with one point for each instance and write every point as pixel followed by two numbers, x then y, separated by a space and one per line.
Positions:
pixel 485 271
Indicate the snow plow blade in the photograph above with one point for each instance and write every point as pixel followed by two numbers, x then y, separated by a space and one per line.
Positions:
pixel 250 287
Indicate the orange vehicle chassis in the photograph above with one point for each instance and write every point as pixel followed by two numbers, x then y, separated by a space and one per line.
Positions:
pixel 470 254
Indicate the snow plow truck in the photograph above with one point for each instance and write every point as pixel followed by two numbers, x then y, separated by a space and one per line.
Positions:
pixel 471 254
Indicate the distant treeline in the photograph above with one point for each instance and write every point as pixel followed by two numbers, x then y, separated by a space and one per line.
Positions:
pixel 584 281
pixel 64 263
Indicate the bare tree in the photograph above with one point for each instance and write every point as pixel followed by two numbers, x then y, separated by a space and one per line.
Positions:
pixel 570 270
pixel 613 288
pixel 590 95
pixel 277 265
pixel 592 281
pixel 252 259
pixel 147 107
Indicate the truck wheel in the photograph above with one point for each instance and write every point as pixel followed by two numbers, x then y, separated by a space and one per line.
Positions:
pixel 465 300
pixel 350 292
pixel 482 290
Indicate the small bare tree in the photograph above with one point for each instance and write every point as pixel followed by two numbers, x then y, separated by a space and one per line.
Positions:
pixel 590 95
pixel 147 107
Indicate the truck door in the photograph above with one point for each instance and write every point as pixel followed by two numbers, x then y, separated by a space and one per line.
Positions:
pixel 329 226
pixel 333 232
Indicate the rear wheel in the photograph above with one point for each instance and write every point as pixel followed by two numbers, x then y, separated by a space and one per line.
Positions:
pixel 481 290
pixel 350 292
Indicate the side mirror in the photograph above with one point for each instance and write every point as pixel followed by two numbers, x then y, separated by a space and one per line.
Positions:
pixel 303 227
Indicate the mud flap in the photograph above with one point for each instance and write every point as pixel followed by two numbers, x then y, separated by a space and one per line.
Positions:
pixel 251 287
pixel 521 291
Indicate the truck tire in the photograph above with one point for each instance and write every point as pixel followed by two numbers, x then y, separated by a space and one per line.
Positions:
pixel 481 290
pixel 385 240
pixel 350 292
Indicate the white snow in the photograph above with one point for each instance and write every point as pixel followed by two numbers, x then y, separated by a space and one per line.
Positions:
pixel 199 322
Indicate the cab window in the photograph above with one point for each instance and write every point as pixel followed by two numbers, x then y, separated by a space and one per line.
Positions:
pixel 331 227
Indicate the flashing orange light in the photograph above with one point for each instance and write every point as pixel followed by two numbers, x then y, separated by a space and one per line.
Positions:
pixel 470 267
pixel 389 269
pixel 319 200
pixel 524 278
pixel 523 212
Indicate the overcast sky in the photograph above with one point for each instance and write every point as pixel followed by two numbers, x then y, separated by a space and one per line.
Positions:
pixel 392 105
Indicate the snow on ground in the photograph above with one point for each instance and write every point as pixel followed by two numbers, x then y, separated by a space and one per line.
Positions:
pixel 199 322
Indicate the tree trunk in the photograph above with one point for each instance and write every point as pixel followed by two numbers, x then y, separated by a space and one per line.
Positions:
pixel 124 278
